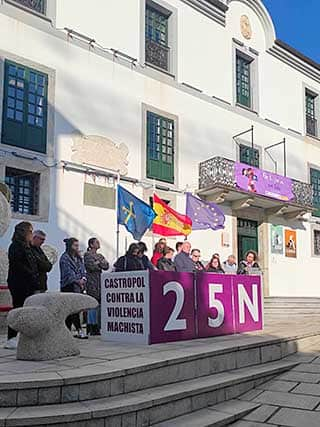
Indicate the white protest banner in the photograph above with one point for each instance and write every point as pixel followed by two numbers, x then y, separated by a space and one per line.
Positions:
pixel 125 313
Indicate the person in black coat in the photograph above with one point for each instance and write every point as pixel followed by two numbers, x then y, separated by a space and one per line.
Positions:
pixel 166 262
pixel 250 264
pixel 146 263
pixel 130 261
pixel 23 275
pixel 214 266
pixel 44 265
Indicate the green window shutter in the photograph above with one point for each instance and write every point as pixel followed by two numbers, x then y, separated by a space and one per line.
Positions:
pixel 25 108
pixel 160 148
pixel 315 182
pixel 311 118
pixel 249 155
pixel 243 80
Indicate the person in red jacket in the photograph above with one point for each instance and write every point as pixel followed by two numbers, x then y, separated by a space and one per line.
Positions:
pixel 158 251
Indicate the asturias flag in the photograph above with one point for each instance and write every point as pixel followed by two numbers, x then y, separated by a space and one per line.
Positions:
pixel 168 222
pixel 136 215
pixel 204 215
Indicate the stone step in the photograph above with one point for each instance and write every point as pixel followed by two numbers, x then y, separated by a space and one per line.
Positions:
pixel 219 415
pixel 149 406
pixel 117 377
pixel 296 306
pixel 292 304
pixel 291 310
pixel 292 301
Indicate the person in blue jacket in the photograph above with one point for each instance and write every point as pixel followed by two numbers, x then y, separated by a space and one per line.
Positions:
pixel 73 279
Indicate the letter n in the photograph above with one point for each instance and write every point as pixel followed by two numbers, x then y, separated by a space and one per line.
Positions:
pixel 252 306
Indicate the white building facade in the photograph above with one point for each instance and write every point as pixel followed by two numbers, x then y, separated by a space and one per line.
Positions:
pixel 88 88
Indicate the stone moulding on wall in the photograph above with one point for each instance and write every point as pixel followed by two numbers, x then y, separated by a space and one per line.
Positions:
pixel 101 152
pixel 5 214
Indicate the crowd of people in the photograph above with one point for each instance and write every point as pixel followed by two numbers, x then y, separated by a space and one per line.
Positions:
pixel 183 259
pixel 29 266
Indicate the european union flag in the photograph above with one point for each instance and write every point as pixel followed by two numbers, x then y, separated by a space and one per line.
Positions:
pixel 136 215
pixel 204 215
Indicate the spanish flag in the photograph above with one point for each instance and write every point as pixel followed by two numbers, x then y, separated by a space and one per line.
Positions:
pixel 168 222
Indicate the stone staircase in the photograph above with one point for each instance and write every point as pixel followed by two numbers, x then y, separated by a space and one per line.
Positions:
pixel 275 307
pixel 170 389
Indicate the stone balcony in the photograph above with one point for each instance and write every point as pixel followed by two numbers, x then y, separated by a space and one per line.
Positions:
pixel 217 182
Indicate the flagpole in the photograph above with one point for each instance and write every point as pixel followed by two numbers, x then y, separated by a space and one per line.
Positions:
pixel 153 191
pixel 118 227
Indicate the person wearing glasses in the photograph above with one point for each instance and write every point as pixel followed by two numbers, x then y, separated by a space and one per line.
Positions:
pixel 44 265
pixel 197 264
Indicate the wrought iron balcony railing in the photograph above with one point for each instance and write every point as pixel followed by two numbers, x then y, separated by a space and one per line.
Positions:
pixel 220 172
pixel 157 54
pixel 312 126
pixel 38 6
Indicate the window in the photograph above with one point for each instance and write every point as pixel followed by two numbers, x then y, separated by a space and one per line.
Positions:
pixel 157 51
pixel 243 80
pixel 249 155
pixel 160 148
pixel 316 242
pixel 311 116
pixel 315 182
pixel 38 6
pixel 24 187
pixel 164 200
pixel 24 108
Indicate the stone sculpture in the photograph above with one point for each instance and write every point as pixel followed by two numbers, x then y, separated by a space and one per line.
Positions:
pixel 41 323
pixel 51 253
pixel 101 152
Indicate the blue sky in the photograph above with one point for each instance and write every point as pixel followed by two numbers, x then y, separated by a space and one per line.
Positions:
pixel 297 22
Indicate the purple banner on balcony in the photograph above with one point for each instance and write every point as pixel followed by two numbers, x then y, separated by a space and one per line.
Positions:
pixel 264 183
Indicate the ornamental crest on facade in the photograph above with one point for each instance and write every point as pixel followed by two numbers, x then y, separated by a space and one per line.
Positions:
pixel 245 26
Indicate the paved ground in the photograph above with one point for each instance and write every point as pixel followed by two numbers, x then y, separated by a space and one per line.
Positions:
pixel 291 399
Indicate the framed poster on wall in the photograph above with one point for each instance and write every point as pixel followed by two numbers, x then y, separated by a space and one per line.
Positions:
pixel 276 238
pixel 290 238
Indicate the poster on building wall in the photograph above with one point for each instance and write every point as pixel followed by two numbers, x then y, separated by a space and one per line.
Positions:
pixel 290 238
pixel 276 237
pixel 255 180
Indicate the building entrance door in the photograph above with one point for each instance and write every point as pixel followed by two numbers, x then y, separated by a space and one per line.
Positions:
pixel 247 237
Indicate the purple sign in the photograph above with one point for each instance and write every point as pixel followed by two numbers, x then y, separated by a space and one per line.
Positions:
pixel 247 297
pixel 172 307
pixel 259 181
pixel 214 305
